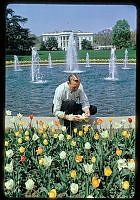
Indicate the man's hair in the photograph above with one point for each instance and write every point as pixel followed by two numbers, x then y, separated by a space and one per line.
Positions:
pixel 74 77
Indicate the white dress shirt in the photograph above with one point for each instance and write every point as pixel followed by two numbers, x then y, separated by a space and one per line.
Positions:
pixel 63 93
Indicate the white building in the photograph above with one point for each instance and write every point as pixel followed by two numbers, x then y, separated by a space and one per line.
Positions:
pixel 62 38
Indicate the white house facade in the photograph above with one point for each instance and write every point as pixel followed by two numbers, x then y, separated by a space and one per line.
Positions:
pixel 63 37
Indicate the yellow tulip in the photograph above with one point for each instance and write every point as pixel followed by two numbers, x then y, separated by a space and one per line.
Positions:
pixel 93 159
pixel 68 137
pixel 22 149
pixel 78 158
pixel 27 138
pixel 39 150
pixel 73 173
pixel 96 136
pixel 118 152
pixel 125 185
pixel 80 133
pixel 73 143
pixel 107 171
pixel 95 182
pixel 110 119
pixel 41 161
pixel 6 143
pixel 40 131
pixel 75 130
pixel 26 133
pixel 52 193
pixel 45 142
pixel 55 135
pixel 17 134
pixel 19 140
pixel 85 129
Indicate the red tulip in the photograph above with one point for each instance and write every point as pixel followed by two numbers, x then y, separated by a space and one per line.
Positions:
pixel 130 120
pixel 31 116
pixel 23 158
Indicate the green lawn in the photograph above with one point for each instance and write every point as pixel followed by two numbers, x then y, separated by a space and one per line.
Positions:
pixel 93 54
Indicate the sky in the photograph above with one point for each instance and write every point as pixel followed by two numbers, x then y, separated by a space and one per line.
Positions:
pixel 46 18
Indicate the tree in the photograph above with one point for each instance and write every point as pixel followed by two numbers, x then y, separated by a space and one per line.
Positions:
pixel 51 44
pixel 42 46
pixel 86 44
pixel 121 34
pixel 18 39
pixel 133 39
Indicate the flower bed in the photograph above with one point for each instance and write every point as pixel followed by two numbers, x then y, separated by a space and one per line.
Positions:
pixel 42 160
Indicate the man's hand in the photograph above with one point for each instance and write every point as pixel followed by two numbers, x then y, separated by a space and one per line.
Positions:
pixel 87 112
pixel 72 117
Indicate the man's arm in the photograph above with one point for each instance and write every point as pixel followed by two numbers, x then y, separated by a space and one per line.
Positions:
pixel 57 101
pixel 84 101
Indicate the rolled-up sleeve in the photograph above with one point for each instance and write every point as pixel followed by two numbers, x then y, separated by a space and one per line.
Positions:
pixel 57 102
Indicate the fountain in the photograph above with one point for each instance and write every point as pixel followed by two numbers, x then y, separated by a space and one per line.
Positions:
pixel 126 60
pixel 16 64
pixel 35 68
pixel 50 61
pixel 87 60
pixel 112 66
pixel 71 56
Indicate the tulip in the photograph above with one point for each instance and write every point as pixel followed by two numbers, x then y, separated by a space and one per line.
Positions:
pixel 87 146
pixel 74 188
pixel 96 136
pixel 31 116
pixel 39 150
pixel 45 142
pixel 107 171
pixel 23 158
pixel 78 158
pixel 6 143
pixel 95 182
pixel 9 153
pixel 22 149
pixel 29 184
pixel 52 193
pixel 129 120
pixel 62 155
pixel 19 140
pixel 73 173
pixel 118 152
pixel 9 184
pixel 125 185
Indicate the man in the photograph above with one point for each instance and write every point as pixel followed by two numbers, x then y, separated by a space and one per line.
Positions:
pixel 70 101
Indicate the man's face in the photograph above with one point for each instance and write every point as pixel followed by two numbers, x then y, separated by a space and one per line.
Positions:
pixel 74 85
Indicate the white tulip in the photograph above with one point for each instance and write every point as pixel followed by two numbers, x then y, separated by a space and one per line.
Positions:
pixel 88 168
pixel 62 155
pixel 61 137
pixel 87 145
pixel 29 184
pixel 63 128
pixel 9 184
pixel 121 164
pixel 131 165
pixel 9 153
pixel 47 161
pixel 35 137
pixel 105 134
pixel 9 167
pixel 74 188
